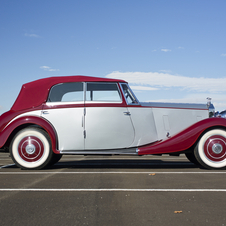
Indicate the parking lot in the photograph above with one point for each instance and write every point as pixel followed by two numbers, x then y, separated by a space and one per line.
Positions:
pixel 112 190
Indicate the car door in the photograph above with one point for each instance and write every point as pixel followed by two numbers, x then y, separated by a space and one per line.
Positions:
pixel 64 109
pixel 107 120
pixel 142 118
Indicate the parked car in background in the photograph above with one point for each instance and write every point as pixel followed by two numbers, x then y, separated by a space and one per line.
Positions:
pixel 84 115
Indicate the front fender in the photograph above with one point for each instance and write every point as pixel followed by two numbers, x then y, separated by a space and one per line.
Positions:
pixel 184 139
pixel 7 131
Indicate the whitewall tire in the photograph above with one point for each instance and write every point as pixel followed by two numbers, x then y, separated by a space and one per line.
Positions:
pixel 31 148
pixel 211 149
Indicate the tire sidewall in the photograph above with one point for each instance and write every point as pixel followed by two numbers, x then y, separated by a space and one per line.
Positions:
pixel 47 152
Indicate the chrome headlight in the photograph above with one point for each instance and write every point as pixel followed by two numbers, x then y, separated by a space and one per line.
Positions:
pixel 210 107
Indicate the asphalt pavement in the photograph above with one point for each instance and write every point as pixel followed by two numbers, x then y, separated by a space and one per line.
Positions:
pixel 112 190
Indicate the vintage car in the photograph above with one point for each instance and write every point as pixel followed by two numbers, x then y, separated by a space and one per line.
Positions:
pixel 98 116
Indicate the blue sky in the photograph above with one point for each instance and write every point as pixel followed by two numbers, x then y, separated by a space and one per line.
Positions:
pixel 171 51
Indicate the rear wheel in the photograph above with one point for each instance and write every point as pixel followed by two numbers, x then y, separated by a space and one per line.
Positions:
pixel 31 148
pixel 211 149
pixel 55 158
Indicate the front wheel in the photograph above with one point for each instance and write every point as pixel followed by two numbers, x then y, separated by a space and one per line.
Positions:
pixel 31 148
pixel 191 157
pixel 211 149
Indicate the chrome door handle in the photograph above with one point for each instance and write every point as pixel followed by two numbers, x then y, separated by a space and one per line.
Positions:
pixel 127 113
pixel 45 112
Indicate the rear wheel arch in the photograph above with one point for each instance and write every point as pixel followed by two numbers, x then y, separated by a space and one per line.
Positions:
pixel 14 132
pixel 31 121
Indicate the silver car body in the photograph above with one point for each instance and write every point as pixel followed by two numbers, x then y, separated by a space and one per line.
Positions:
pixel 108 128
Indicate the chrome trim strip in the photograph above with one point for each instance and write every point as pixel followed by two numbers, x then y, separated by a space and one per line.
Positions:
pixel 174 105
pixel 127 151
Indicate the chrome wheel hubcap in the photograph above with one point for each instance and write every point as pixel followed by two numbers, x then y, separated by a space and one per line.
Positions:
pixel 30 149
pixel 217 148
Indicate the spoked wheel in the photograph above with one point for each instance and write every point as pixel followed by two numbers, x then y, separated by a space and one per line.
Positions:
pixel 211 149
pixel 31 148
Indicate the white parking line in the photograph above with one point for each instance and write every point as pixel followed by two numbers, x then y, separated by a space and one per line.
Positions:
pixel 109 190
pixel 115 172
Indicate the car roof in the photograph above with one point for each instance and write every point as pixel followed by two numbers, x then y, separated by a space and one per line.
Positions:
pixel 33 94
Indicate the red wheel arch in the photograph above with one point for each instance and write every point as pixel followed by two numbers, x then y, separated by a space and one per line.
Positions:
pixel 30 120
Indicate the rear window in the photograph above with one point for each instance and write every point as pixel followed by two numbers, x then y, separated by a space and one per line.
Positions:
pixel 66 92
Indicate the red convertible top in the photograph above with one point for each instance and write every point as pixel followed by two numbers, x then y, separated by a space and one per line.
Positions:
pixel 33 94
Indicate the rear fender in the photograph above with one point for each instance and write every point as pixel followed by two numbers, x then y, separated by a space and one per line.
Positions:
pixel 29 120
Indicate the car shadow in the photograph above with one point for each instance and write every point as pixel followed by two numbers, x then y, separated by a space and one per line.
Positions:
pixel 123 164
pixel 119 164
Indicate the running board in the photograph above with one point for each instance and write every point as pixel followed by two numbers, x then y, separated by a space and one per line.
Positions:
pixel 125 151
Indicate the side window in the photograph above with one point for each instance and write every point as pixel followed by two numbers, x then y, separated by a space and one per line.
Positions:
pixel 66 92
pixel 129 96
pixel 106 92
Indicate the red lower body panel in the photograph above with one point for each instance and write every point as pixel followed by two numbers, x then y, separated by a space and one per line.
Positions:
pixel 183 140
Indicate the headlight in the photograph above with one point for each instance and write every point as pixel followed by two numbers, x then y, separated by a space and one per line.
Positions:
pixel 210 107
